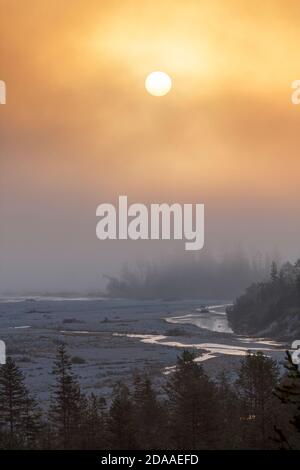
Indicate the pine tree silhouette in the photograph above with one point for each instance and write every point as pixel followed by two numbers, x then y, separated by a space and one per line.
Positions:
pixel 31 422
pixel 66 400
pixel 19 418
pixel 257 379
pixel 192 404
pixel 148 414
pixel 274 272
pixel 288 392
pixel 121 419
pixel 95 423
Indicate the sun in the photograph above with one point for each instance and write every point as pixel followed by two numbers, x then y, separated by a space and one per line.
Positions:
pixel 158 83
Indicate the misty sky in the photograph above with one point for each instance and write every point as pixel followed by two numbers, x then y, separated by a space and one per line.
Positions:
pixel 79 129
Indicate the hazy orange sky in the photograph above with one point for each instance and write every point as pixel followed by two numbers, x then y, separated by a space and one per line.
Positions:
pixel 79 129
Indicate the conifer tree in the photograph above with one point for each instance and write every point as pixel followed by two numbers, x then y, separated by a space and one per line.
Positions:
pixel 95 423
pixel 288 392
pixel 228 413
pixel 297 280
pixel 192 404
pixel 121 419
pixel 12 401
pixel 31 422
pixel 274 272
pixel 148 414
pixel 66 401
pixel 257 379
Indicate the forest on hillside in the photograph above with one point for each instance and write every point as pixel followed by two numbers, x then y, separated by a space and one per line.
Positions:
pixel 257 410
pixel 270 307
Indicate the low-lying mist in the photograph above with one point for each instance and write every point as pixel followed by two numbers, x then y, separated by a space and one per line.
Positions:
pixel 204 277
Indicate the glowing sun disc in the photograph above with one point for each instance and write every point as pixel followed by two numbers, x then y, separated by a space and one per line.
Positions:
pixel 158 83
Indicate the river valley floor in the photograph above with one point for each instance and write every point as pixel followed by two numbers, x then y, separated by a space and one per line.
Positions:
pixel 110 339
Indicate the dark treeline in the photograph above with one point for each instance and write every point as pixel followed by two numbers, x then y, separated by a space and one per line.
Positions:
pixel 202 278
pixel 259 410
pixel 270 307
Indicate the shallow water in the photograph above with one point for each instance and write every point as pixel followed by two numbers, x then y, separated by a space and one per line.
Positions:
pixel 211 349
pixel 215 320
